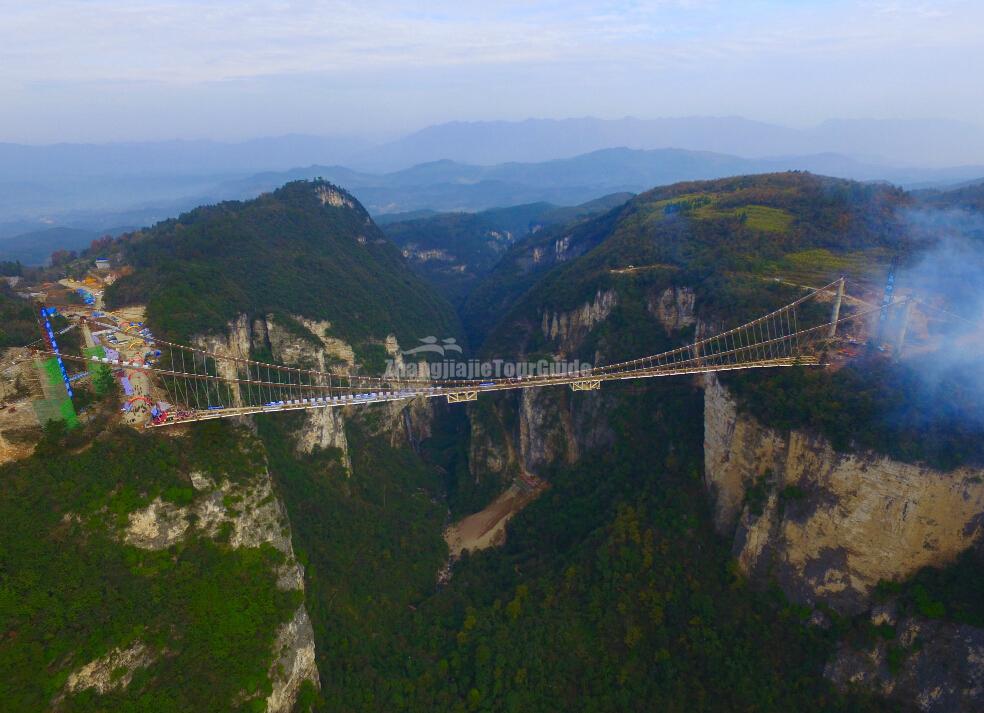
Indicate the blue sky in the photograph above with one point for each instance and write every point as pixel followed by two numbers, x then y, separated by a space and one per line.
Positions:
pixel 104 70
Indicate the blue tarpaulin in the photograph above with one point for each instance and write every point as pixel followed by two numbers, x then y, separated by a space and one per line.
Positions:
pixel 45 313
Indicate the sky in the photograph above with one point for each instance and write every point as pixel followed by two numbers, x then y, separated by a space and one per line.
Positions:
pixel 127 70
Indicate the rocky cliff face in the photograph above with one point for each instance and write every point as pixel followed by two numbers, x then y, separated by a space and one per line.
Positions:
pixel 523 433
pixel 828 526
pixel 938 666
pixel 248 514
pixel 552 425
pixel 568 329
pixel 673 307
pixel 322 428
pixel 259 516
pixel 19 428
pixel 546 433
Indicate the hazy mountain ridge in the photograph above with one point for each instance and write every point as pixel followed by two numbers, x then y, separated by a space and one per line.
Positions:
pixel 454 250
pixel 93 186
pixel 172 158
pixel 927 142
pixel 448 185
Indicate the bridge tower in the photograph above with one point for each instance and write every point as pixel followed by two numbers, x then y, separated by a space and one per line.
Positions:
pixel 903 328
pixel 886 300
pixel 835 313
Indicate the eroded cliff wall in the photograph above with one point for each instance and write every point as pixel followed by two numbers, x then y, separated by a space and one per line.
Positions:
pixel 523 433
pixel 829 526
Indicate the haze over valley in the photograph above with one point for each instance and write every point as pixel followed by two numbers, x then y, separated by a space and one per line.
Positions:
pixel 93 189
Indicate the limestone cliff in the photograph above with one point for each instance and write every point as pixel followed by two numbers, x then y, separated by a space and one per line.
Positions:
pixel 552 426
pixel 568 329
pixel 673 307
pixel 404 423
pixel 19 428
pixel 938 666
pixel 318 350
pixel 258 515
pixel 323 428
pixel 545 430
pixel 491 454
pixel 549 428
pixel 827 525
pixel 244 514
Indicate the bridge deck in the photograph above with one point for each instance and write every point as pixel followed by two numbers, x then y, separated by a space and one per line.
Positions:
pixel 455 394
pixel 191 384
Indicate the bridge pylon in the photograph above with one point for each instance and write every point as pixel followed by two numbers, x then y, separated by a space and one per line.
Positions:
pixel 835 312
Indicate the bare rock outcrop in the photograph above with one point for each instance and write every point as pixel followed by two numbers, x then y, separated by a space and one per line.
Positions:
pixel 157 526
pixel 546 433
pixel 673 307
pixel 19 427
pixel 568 329
pixel 249 514
pixel 323 428
pixel 937 666
pixel 829 526
pixel 328 195
pixel 491 452
pixel 294 663
pixel 308 344
pixel 527 431
pixel 235 344
pixel 111 672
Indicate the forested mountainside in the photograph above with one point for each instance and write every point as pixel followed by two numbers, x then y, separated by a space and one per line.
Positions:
pixel 453 250
pixel 145 573
pixel 796 460
pixel 762 543
pixel 724 243
pixel 724 238
pixel 162 564
pixel 18 324
pixel 308 249
pixel 969 197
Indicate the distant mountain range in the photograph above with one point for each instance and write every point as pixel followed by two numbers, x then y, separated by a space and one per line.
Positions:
pixel 448 185
pixel 934 143
pixel 21 163
pixel 36 246
pixel 454 250
pixel 462 166
pixel 927 143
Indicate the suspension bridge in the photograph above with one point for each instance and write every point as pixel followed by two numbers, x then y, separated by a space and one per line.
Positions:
pixel 196 385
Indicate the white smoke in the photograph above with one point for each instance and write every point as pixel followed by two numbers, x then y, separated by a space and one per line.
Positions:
pixel 945 344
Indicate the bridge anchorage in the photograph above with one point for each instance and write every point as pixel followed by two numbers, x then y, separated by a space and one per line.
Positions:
pixel 178 383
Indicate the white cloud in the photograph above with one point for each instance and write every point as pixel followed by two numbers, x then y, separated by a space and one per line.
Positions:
pixel 663 56
pixel 174 40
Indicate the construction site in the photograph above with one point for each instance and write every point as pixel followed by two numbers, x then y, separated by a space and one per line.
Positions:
pixel 38 385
